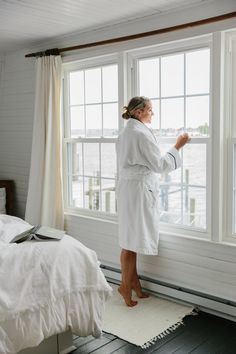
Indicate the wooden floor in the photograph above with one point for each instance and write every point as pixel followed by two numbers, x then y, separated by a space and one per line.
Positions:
pixel 202 334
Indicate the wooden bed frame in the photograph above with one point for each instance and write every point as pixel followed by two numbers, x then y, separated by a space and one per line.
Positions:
pixel 9 186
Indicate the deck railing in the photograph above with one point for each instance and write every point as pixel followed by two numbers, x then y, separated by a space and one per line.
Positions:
pixel 94 200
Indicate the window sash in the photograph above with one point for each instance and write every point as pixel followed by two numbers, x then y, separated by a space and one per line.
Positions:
pixel 133 60
pixel 69 174
pixel 85 64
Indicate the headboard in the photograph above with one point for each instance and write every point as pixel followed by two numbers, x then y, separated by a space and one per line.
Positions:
pixel 9 186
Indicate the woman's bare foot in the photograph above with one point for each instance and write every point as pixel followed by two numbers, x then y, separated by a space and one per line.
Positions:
pixel 138 290
pixel 127 296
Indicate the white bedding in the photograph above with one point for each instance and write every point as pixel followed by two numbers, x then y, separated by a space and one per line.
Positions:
pixel 47 287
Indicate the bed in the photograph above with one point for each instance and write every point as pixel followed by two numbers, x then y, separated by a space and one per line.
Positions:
pixel 48 290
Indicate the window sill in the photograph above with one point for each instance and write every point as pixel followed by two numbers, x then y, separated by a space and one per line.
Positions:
pixel 90 215
pixel 172 240
pixel 174 232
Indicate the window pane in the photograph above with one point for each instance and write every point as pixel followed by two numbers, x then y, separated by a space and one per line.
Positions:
pixel 149 78
pixel 110 83
pixel 92 193
pixel 93 85
pixel 170 193
pixel 108 195
pixel 172 75
pixel 108 160
pixel 234 213
pixel 234 159
pixel 77 193
pixel 194 206
pixel 75 187
pixel 78 158
pixel 156 117
pixel 74 156
pixel 93 120
pixel 110 119
pixel 91 159
pixel 234 193
pixel 77 87
pixel 172 116
pixel 197 115
pixel 174 176
pixel 198 72
pixel 77 121
pixel 194 164
pixel 170 204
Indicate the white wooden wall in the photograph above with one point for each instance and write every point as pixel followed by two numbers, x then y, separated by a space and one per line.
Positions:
pixel 195 264
pixel 16 123
pixel 198 265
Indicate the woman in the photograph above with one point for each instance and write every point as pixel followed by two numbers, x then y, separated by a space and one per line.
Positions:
pixel 140 161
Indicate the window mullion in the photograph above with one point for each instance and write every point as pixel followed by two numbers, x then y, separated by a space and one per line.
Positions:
pixel 83 175
pixel 85 125
pixel 100 176
pixel 232 157
pixel 230 137
pixel 160 98
pixel 182 152
pixel 217 137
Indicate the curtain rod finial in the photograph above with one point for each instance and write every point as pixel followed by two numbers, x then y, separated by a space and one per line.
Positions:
pixel 53 51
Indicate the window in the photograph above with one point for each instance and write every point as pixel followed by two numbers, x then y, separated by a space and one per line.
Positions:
pixel 181 99
pixel 91 127
pixel 176 77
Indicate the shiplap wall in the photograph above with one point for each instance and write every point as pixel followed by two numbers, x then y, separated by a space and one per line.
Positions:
pixel 200 265
pixel 16 123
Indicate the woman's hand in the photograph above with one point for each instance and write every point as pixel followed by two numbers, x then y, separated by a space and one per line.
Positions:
pixel 182 140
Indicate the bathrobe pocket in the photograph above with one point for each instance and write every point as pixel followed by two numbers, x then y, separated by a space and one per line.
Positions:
pixel 151 192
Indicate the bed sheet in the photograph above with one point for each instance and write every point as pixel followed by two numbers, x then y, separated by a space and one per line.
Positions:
pixel 46 288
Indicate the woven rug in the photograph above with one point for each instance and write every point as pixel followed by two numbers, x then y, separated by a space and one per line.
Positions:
pixel 151 319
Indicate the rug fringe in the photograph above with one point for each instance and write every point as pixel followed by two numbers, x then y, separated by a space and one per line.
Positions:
pixel 167 331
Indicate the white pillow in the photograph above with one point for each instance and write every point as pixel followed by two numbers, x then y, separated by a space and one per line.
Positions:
pixel 10 226
pixel 2 201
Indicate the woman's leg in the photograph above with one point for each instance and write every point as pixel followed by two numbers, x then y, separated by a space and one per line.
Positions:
pixel 127 260
pixel 136 286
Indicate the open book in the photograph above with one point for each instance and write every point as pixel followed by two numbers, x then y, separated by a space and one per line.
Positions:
pixel 39 233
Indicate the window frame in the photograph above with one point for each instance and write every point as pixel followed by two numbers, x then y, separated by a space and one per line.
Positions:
pixel 219 220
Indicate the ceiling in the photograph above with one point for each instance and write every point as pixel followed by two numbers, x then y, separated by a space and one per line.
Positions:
pixel 25 23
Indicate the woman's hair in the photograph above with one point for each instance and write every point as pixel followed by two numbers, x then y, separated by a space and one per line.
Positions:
pixel 137 102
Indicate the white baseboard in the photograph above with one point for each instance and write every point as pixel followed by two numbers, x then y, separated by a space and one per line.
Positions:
pixel 203 302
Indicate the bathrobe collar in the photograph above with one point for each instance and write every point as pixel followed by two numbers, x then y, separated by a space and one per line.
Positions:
pixel 135 121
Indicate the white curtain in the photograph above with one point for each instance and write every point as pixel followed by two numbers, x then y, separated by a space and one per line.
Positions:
pixel 45 197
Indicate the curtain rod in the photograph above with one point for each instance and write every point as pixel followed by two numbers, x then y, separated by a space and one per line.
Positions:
pixel 57 51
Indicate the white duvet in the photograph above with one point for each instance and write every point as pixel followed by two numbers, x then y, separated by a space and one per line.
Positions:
pixel 47 287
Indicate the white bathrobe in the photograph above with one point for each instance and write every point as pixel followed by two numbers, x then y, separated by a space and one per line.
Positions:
pixel 140 162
